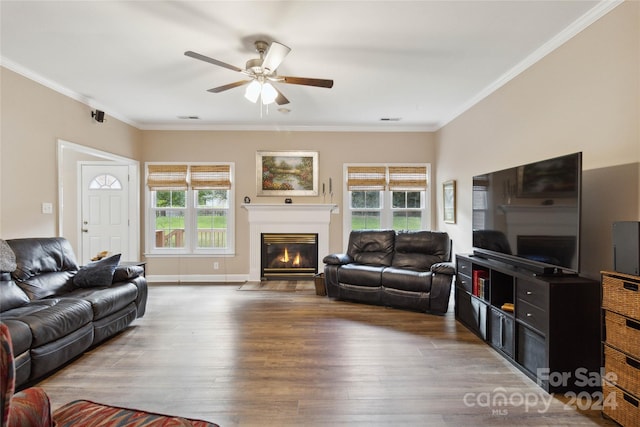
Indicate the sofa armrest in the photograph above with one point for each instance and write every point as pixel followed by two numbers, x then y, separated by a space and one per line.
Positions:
pixel 124 273
pixel 337 259
pixel 443 268
pixel 30 407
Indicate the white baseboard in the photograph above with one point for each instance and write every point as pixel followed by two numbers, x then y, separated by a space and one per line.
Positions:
pixel 197 278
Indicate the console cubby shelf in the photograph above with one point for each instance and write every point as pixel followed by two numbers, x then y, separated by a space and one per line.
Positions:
pixel 547 326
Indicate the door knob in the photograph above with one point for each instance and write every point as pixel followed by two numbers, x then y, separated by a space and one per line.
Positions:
pixel 84 230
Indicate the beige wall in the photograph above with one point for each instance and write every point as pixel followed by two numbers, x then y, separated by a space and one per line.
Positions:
pixel 334 149
pixel 582 97
pixel 33 118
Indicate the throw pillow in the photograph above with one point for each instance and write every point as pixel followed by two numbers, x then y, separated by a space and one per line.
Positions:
pixel 98 273
pixel 7 257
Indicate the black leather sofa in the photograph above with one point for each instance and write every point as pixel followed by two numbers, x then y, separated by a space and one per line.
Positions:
pixel 56 310
pixel 409 270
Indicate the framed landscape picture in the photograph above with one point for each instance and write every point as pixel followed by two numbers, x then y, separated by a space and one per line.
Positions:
pixel 287 173
pixel 449 201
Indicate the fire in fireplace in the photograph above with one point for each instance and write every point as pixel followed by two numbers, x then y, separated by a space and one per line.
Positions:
pixel 289 256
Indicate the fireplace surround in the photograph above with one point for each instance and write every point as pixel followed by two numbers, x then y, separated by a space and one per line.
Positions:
pixel 286 218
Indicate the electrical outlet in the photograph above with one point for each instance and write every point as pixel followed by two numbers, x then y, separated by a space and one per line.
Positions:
pixel 47 208
pixel 216 265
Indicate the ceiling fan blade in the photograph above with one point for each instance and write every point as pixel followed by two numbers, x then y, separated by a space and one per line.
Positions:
pixel 274 56
pixel 212 61
pixel 307 82
pixel 280 99
pixel 228 86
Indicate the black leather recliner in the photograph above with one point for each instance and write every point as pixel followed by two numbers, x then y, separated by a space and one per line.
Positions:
pixel 408 269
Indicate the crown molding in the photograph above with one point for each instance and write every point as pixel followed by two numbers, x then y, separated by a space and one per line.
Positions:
pixel 25 72
pixel 597 12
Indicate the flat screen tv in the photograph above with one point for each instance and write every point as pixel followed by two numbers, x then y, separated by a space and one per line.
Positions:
pixel 529 215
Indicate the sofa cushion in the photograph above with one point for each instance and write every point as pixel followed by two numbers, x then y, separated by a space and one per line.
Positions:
pixel 41 255
pixel 418 301
pixel 52 355
pixel 20 335
pixel 48 284
pixel 98 273
pixel 357 293
pixel 45 265
pixel 11 295
pixel 371 247
pixel 418 250
pixel 58 320
pixel 406 280
pixel 108 300
pixel 362 275
pixel 32 307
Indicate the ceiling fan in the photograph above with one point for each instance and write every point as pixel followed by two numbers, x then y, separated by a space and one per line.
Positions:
pixel 261 72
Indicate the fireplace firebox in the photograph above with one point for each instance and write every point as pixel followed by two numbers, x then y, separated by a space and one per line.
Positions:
pixel 289 256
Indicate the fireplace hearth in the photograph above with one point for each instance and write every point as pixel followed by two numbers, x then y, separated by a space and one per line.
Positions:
pixel 289 256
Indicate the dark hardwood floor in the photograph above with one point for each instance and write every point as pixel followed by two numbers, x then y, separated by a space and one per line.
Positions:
pixel 286 357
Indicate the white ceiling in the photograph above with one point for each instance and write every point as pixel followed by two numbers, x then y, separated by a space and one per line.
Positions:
pixel 422 62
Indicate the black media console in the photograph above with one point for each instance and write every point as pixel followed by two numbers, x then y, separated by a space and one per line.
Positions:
pixel 546 325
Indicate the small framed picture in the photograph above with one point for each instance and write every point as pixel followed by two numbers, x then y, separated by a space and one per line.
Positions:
pixel 449 201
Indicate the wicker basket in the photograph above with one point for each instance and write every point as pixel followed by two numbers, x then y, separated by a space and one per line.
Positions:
pixel 622 333
pixel 625 368
pixel 620 294
pixel 620 406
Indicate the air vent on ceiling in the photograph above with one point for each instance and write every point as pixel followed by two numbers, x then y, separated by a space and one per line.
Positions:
pixel 189 117
pixel 390 119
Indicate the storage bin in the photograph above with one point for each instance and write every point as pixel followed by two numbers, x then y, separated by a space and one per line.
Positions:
pixel 626 370
pixel 622 333
pixel 620 294
pixel 619 405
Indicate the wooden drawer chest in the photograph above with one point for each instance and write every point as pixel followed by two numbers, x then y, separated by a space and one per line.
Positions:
pixel 621 347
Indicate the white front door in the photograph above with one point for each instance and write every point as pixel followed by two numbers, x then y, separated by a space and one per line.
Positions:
pixel 105 210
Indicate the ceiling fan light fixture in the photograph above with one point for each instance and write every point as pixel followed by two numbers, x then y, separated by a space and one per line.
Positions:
pixel 269 93
pixel 253 91
pixel 259 70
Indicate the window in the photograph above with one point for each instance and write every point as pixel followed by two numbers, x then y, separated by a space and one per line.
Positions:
pixel 190 209
pixel 105 182
pixel 386 197
pixel 480 203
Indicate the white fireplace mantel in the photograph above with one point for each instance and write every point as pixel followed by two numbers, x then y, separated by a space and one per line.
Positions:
pixel 286 218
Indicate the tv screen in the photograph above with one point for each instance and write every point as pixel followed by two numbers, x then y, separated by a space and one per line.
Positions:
pixel 529 215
